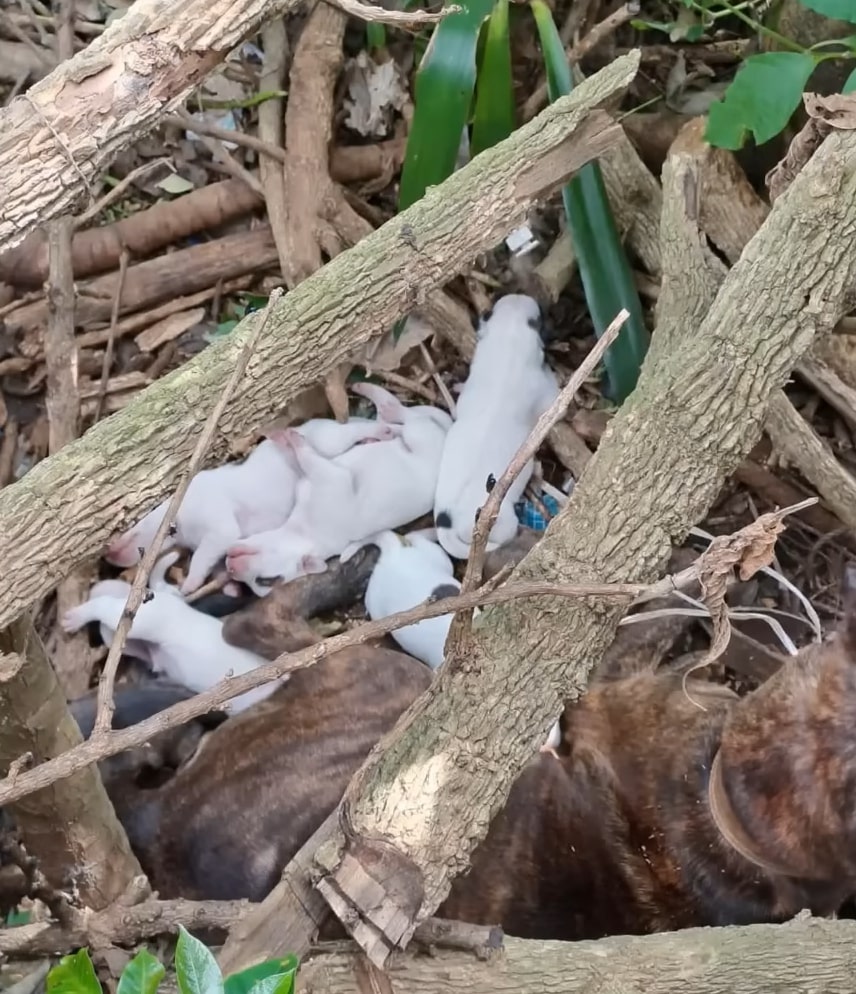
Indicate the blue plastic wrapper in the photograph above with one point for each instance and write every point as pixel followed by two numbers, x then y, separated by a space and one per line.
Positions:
pixel 529 515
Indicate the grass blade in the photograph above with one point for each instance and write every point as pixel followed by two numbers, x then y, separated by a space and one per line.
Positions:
pixel 445 84
pixel 494 114
pixel 605 272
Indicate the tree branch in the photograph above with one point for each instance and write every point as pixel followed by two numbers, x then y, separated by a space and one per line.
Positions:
pixel 67 505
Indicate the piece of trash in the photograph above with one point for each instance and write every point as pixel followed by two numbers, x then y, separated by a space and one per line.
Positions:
pixel 225 121
pixel 521 241
pixel 530 517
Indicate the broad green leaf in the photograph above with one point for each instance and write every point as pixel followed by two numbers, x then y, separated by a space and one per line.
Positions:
pixel 142 975
pixel 278 983
pixel 443 96
pixel 195 967
pixel 604 270
pixel 850 83
pixel 494 115
pixel 837 10
pixel 765 92
pixel 73 974
pixel 279 970
pixel 18 917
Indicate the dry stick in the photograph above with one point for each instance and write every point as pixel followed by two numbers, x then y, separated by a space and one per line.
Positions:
pixel 186 122
pixel 369 12
pixel 111 334
pixel 108 743
pixel 135 597
pixel 116 192
pixel 488 512
pixel 538 99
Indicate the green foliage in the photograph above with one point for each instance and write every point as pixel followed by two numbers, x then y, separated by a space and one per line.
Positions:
pixel 274 976
pixel 850 83
pixel 444 89
pixel 17 917
pixel 836 10
pixel 73 974
pixel 196 970
pixel 494 114
pixel 766 91
pixel 375 35
pixel 604 269
pixel 142 975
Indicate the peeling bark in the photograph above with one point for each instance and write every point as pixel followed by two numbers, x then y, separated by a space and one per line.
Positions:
pixel 73 122
pixel 68 504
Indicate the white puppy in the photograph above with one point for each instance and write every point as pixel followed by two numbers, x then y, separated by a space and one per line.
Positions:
pixel 509 387
pixel 344 500
pixel 232 501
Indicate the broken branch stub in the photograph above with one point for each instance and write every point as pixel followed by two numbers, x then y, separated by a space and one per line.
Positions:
pixel 67 505
pixel 418 807
pixel 72 123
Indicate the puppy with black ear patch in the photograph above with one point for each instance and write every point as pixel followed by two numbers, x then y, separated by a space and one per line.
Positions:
pixel 509 387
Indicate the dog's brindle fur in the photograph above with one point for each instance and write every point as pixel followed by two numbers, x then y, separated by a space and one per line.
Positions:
pixel 616 836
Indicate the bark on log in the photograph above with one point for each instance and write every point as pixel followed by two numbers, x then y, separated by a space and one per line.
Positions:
pixel 414 813
pixel 69 827
pixel 803 956
pixel 72 123
pixel 67 505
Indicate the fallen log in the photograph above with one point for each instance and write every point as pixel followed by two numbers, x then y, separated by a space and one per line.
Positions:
pixel 72 123
pixel 802 956
pixel 67 505
pixel 415 811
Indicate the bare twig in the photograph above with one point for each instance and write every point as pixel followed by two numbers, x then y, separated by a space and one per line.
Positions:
pixel 135 597
pixel 414 18
pixel 110 743
pixel 538 99
pixel 490 509
pixel 124 259
pixel 117 192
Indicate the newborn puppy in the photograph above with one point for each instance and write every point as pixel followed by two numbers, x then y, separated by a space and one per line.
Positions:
pixel 232 501
pixel 180 642
pixel 341 501
pixel 410 570
pixel 508 389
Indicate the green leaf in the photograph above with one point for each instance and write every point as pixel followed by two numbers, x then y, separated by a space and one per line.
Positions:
pixel 604 270
pixel 494 115
pixel 195 967
pixel 850 83
pixel 274 976
pixel 142 975
pixel 837 10
pixel 444 90
pixel 73 975
pixel 765 92
pixel 18 917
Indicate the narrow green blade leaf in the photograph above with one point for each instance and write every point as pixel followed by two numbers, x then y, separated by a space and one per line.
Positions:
pixel 278 970
pixel 375 35
pixel 142 975
pixel 762 97
pixel 73 974
pixel 837 10
pixel 195 967
pixel 444 92
pixel 604 270
pixel 494 115
pixel 850 83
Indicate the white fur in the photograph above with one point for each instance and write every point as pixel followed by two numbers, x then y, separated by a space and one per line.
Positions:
pixel 407 573
pixel 230 502
pixel 344 500
pixel 507 390
pixel 183 643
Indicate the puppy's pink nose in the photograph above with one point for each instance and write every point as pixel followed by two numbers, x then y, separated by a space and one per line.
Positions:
pixel 238 561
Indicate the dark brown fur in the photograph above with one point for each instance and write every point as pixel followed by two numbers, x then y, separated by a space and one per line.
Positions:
pixel 267 627
pixel 227 823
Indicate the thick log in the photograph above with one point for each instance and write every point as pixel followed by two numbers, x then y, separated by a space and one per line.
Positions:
pixel 804 956
pixel 66 506
pixel 416 811
pixel 58 137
